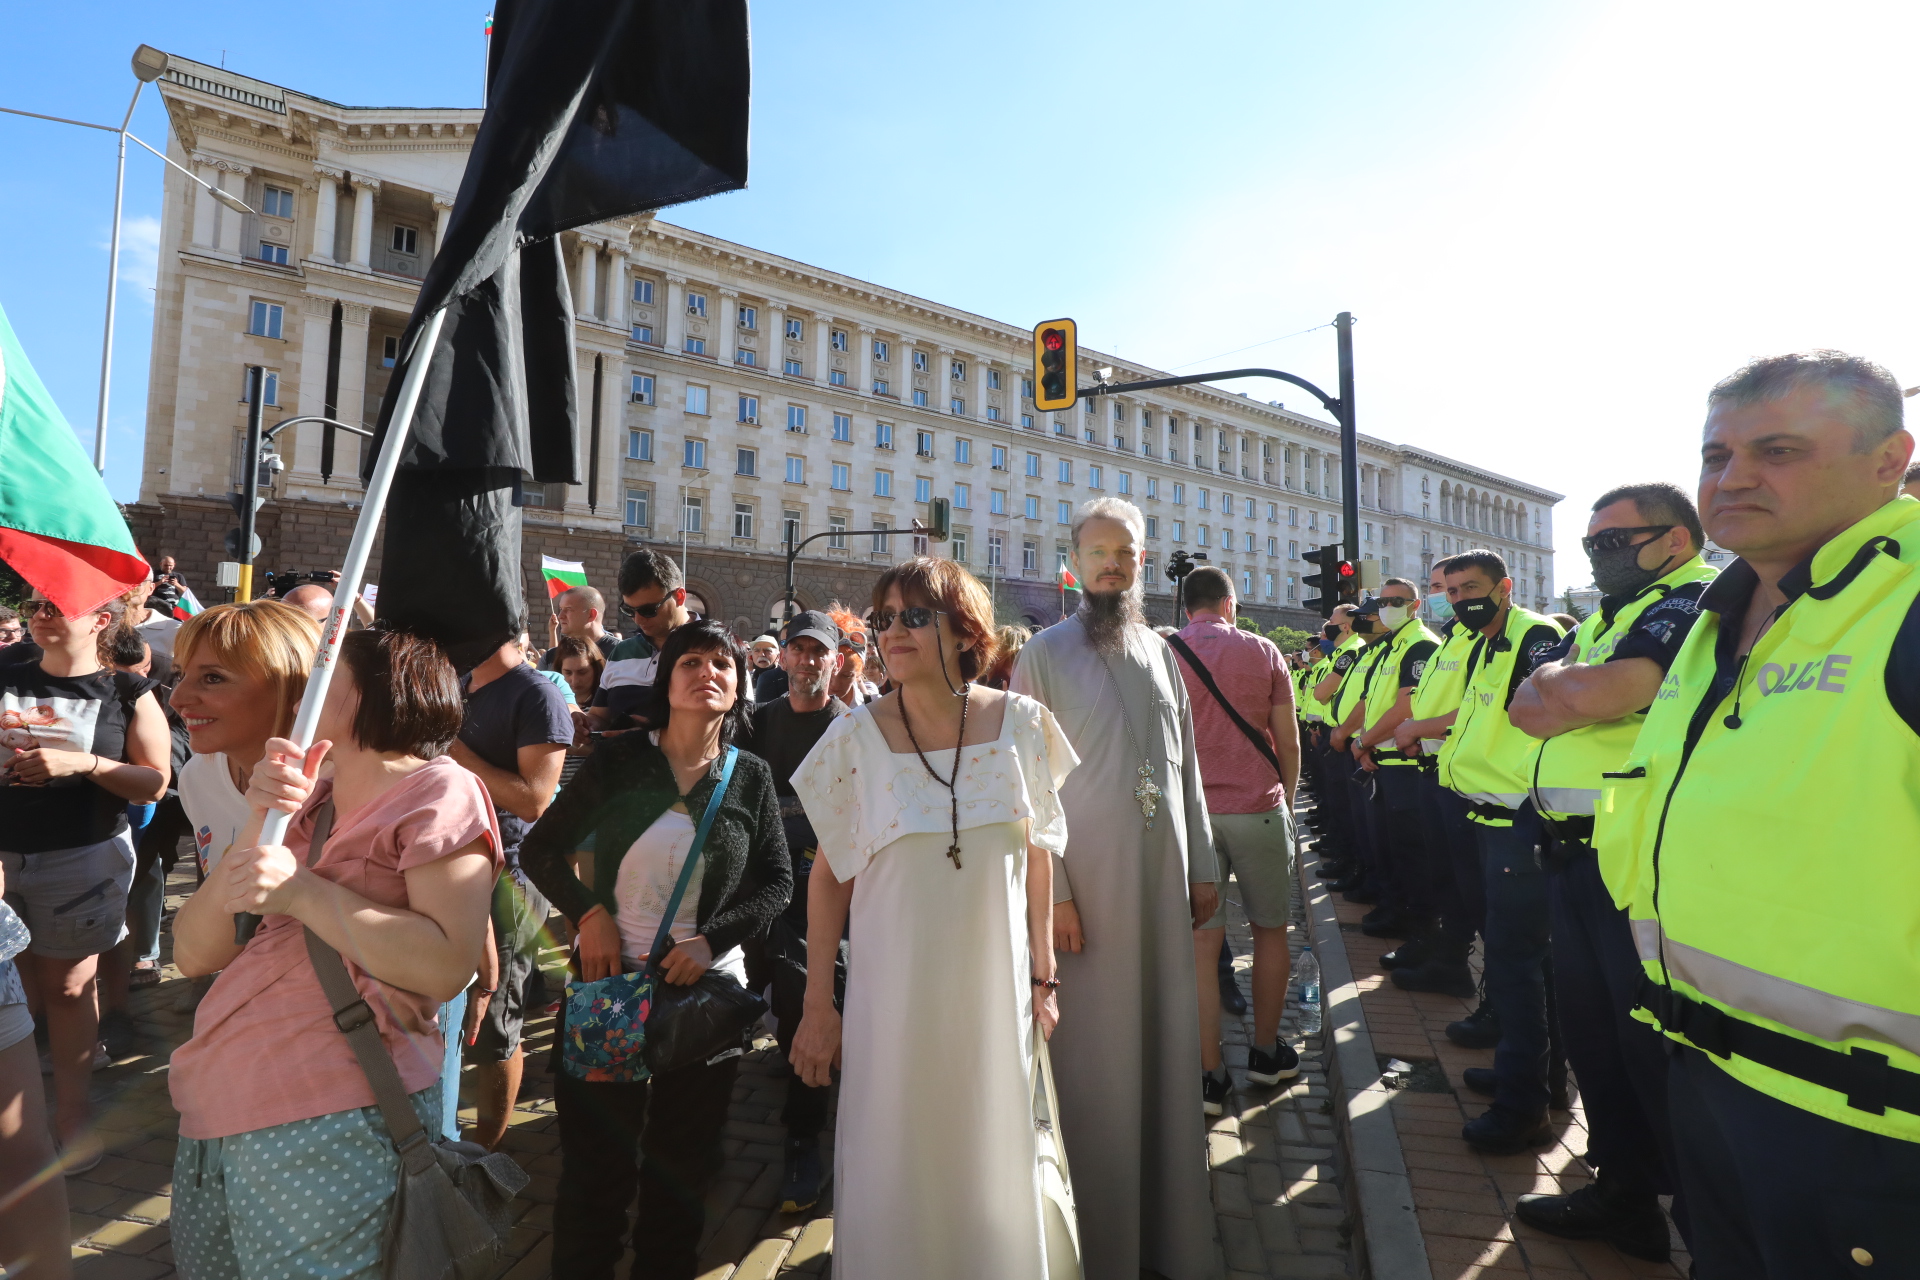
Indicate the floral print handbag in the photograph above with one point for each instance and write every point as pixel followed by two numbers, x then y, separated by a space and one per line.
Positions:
pixel 606 1021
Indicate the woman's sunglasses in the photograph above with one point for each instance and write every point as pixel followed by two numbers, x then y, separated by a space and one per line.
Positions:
pixel 916 618
pixel 40 608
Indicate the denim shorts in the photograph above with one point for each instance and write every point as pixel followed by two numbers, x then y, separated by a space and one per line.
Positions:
pixel 73 900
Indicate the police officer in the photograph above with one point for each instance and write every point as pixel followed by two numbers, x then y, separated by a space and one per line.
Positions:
pixel 1483 761
pixel 1763 835
pixel 1588 701
pixel 1365 876
pixel 1438 961
pixel 1392 668
pixel 1339 649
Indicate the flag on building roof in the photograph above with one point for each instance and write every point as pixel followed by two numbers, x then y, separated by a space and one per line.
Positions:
pixel 185 605
pixel 596 109
pixel 1067 581
pixel 59 527
pixel 562 575
pixel 489 30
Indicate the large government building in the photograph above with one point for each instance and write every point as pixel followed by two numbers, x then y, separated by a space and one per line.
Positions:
pixel 738 398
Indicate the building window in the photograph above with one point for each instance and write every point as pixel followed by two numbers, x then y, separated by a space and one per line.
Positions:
pixel 957 370
pixel 389 351
pixel 1093 477
pixel 880 540
pixel 693 516
pixel 640 445
pixel 1033 465
pixel 1250 545
pixel 637 507
pixel 923 444
pixel 1206 500
pixel 883 435
pixel 836 527
pixel 920 399
pixel 1119 440
pixel 957 405
pixel 743 520
pixel 1064 471
pixel 745 357
pixel 1063 512
pixel 276 202
pixel 694 454
pixel 880 350
pixel 1179 493
pixel 1179 530
pixel 746 462
pixel 696 346
pixel 1293 517
pixel 790 527
pixel 1153 526
pixel 750 409
pixel 1033 508
pixel 1153 487
pixel 997 501
pixel 792 368
pixel 920 362
pixel 643 333
pixel 405 239
pixel 883 484
pixel 696 399
pixel 796 470
pixel 1026 422
pixel 993 413
pixel 797 418
pixel 842 428
pixel 796 329
pixel 836 377
pixel 881 387
pixel 697 305
pixel 838 340
pixel 266 320
pixel 996 551
pixel 749 318
pixel 842 476
pixel 999 457
pixel 643 292
pixel 923 488
pixel 963 451
pixel 641 390
pixel 1029 556
pixel 1200 536
pixel 272 381
pixel 1125 482
pixel 274 253
pixel 962 496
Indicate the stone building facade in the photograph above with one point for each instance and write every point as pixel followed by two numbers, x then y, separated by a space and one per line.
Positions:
pixel 741 397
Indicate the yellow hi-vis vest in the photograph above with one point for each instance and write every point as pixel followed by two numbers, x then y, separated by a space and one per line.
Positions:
pixel 1564 773
pixel 1444 681
pixel 1321 670
pixel 1485 757
pixel 1352 684
pixel 1311 709
pixel 1800 983
pixel 1382 687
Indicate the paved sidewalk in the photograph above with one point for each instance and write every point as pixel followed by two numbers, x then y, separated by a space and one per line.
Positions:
pixel 1464 1200
pixel 1277 1185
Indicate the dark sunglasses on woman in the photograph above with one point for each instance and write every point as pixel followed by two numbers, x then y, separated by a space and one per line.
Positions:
pixel 916 618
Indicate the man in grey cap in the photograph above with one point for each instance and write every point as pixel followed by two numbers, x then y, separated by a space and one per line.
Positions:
pixel 784 732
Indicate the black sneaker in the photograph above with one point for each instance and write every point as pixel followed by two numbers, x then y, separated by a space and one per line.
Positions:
pixel 1447 977
pixel 800 1187
pixel 1271 1068
pixel 1214 1091
pixel 1483 1082
pixel 1638 1229
pixel 1390 926
pixel 1408 955
pixel 1505 1132
pixel 1478 1030
pixel 117 1033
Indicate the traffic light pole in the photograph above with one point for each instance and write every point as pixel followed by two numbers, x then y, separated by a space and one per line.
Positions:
pixel 250 477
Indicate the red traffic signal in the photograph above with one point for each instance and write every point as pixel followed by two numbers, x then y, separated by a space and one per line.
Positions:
pixel 1055 356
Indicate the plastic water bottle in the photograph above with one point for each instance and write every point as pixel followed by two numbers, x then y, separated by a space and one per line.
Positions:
pixel 1309 973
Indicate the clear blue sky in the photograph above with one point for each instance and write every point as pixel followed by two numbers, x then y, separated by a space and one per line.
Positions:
pixel 1557 224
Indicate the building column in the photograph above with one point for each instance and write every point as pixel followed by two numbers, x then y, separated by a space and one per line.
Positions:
pixel 205 208
pixel 355 317
pixel 303 454
pixel 981 367
pixel 673 322
pixel 363 193
pixel 619 289
pixel 326 217
pixel 442 214
pixel 776 336
pixel 865 361
pixel 940 379
pixel 723 319
pixel 233 181
pixel 822 347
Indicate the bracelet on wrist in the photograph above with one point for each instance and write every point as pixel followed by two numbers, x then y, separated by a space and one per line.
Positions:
pixel 486 991
pixel 1051 984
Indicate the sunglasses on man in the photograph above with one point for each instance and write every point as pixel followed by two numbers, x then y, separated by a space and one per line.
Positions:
pixel 1615 539
pixel 644 610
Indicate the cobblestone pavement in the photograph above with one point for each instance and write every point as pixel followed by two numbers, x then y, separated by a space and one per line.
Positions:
pixel 1274 1159
pixel 1464 1200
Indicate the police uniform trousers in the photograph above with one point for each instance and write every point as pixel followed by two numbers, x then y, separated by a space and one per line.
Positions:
pixel 1518 967
pixel 1334 808
pixel 1359 786
pixel 1621 1062
pixel 1407 884
pixel 1453 851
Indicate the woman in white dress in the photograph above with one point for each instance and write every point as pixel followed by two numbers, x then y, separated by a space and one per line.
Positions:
pixel 945 864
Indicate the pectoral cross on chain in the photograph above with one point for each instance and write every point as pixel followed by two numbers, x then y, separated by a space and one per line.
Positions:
pixel 1147 794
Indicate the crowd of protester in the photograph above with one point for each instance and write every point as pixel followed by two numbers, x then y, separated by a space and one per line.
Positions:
pixel 977 876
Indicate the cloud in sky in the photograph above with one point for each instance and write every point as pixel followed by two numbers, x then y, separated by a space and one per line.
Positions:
pixel 139 258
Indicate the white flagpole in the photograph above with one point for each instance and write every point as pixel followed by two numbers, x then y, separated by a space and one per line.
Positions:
pixel 307 720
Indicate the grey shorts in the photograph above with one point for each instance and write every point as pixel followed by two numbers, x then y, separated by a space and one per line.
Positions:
pixel 73 900
pixel 519 918
pixel 1257 850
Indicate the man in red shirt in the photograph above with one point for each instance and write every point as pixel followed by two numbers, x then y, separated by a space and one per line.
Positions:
pixel 1249 747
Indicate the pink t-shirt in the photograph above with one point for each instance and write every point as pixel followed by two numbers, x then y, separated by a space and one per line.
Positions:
pixel 265 1050
pixel 1252 673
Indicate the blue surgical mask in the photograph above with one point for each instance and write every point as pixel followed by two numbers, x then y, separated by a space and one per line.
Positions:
pixel 1438 606
pixel 1326 646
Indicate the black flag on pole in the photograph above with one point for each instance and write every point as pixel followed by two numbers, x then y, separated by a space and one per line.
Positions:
pixel 596 109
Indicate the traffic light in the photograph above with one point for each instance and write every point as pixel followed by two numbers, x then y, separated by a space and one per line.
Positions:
pixel 1337 582
pixel 939 519
pixel 1056 354
pixel 1347 580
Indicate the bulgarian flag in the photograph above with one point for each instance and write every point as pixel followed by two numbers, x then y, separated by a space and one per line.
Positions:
pixel 59 527
pixel 187 605
pixel 562 575
pixel 1067 581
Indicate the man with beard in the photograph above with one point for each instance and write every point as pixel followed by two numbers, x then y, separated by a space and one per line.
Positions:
pixel 784 732
pixel 1137 878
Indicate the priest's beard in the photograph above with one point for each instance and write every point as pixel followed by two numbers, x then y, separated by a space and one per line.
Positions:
pixel 1107 614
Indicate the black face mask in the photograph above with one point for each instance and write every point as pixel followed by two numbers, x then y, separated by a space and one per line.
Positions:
pixel 1478 612
pixel 1330 631
pixel 1365 626
pixel 1617 572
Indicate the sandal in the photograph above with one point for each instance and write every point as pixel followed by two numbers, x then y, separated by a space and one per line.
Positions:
pixel 145 974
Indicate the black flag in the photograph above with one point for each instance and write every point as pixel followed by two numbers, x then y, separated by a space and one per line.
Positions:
pixel 596 109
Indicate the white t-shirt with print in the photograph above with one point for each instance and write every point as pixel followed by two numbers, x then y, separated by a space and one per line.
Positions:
pixel 217 809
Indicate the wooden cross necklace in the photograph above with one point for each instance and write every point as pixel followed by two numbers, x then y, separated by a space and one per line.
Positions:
pixel 959 745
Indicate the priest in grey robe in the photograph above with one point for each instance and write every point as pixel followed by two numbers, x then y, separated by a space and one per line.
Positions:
pixel 1137 878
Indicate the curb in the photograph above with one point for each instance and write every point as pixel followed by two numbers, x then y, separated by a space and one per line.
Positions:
pixel 1388 1243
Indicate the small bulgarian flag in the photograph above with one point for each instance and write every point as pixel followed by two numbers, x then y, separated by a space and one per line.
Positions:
pixel 489 24
pixel 1067 581
pixel 59 527
pixel 562 575
pixel 187 605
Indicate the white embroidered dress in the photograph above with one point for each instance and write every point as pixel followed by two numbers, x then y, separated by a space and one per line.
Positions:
pixel 934 1156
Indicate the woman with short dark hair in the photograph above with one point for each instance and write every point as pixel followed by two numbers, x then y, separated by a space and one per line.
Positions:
pixel 274 1106
pixel 640 796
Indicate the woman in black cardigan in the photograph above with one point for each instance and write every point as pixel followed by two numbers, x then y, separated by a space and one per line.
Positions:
pixel 640 795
